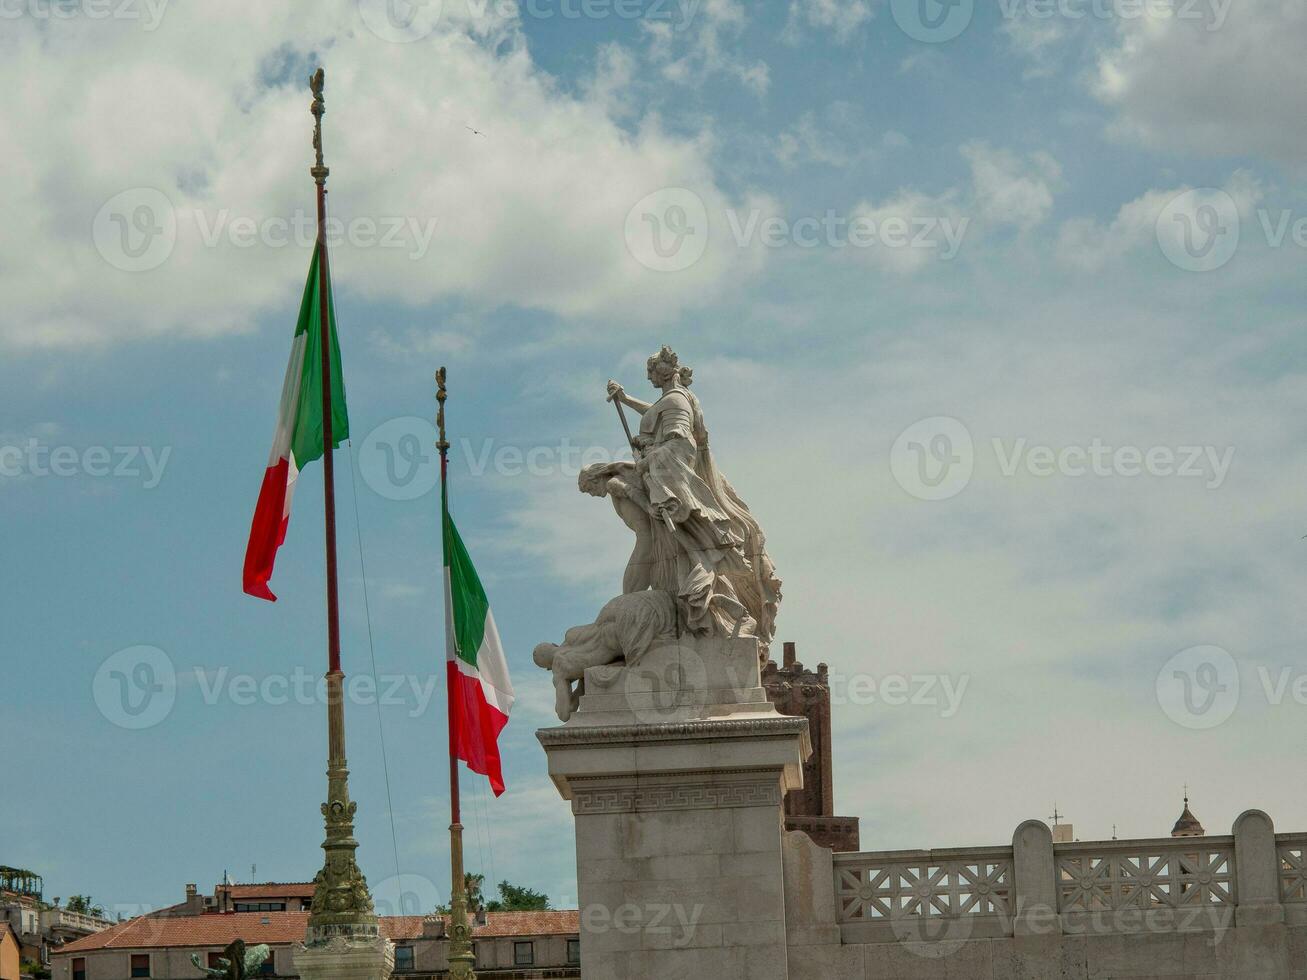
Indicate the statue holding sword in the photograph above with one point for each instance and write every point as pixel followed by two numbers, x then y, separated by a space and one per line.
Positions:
pixel 695 538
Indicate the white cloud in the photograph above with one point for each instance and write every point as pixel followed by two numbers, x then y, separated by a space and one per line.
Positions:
pixel 531 212
pixel 1226 79
pixel 841 18
pixel 1008 190
pixel 1005 191
pixel 700 50
pixel 1089 245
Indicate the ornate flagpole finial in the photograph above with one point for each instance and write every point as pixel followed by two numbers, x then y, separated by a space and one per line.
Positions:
pixel 441 395
pixel 316 81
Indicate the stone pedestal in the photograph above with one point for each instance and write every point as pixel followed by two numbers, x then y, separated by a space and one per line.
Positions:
pixel 339 958
pixel 676 769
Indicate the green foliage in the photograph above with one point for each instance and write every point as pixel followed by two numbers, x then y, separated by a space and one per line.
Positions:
pixel 84 905
pixel 515 898
pixel 512 898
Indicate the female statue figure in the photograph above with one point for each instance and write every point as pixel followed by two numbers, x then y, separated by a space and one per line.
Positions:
pixel 695 538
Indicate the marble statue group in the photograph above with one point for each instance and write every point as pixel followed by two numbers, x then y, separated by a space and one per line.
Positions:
pixel 699 566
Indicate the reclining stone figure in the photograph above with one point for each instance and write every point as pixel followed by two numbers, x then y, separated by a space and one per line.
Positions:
pixel 628 627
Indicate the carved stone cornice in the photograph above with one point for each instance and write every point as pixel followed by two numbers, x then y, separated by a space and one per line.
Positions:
pixel 691 791
pixel 688 731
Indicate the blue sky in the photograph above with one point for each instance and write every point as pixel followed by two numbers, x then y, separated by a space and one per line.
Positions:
pixel 1025 290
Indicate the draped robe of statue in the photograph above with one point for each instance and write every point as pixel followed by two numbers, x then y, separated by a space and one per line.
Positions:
pixel 713 558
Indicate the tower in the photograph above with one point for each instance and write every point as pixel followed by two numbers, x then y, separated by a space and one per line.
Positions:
pixel 795 690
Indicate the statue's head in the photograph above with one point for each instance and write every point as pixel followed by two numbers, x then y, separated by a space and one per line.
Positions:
pixel 544 654
pixel 665 366
pixel 593 479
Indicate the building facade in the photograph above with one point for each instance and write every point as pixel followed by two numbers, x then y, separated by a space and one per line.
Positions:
pixel 159 946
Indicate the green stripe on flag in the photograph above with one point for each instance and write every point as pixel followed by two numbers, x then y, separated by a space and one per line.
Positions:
pixel 306 442
pixel 467 597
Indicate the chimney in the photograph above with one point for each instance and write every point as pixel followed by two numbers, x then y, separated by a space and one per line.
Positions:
pixel 191 892
pixel 791 658
pixel 194 901
pixel 433 927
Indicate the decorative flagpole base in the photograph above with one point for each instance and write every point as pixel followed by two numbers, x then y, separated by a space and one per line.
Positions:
pixel 344 940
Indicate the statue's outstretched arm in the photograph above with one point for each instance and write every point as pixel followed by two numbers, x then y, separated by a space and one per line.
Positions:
pixel 617 393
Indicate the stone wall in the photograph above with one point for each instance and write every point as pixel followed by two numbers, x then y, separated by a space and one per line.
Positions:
pixel 1232 907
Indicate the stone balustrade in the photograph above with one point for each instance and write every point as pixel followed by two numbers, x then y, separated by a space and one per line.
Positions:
pixel 1034 887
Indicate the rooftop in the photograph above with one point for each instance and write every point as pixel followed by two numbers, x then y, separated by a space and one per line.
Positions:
pixel 276 928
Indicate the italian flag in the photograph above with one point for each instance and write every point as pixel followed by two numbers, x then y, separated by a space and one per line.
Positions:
pixel 480 693
pixel 298 436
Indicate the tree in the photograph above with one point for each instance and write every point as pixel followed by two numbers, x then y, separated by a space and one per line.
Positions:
pixel 512 898
pixel 516 898
pixel 83 904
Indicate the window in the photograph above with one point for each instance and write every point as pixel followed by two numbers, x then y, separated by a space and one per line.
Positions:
pixel 213 960
pixel 260 906
pixel 574 951
pixel 524 954
pixel 140 964
pixel 79 968
pixel 269 967
pixel 403 959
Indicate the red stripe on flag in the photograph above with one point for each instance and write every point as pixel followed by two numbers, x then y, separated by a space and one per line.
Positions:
pixel 267 531
pixel 476 727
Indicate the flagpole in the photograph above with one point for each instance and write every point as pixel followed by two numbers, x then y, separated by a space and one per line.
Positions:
pixel 342 906
pixel 462 961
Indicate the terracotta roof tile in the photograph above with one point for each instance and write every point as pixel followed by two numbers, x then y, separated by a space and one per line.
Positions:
pixel 283 928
